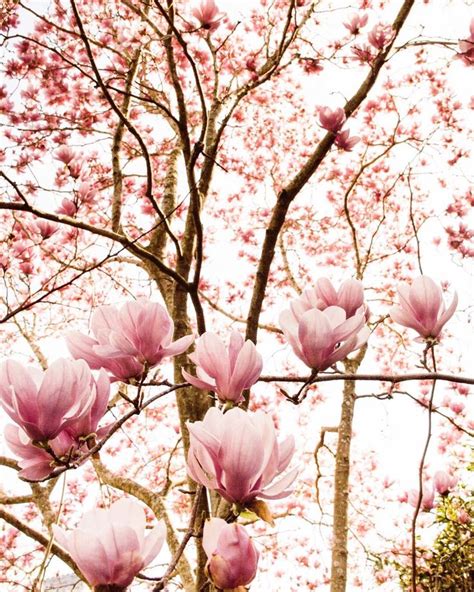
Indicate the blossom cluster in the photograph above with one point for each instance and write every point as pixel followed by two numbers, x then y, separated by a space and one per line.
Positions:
pixel 232 451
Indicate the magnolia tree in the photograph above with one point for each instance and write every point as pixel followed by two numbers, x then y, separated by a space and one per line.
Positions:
pixel 234 295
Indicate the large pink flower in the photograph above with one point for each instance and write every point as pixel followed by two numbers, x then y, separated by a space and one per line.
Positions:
pixel 232 556
pixel 237 454
pixel 45 404
pixel 322 338
pixel 128 340
pixel 226 371
pixel 422 307
pixel 110 546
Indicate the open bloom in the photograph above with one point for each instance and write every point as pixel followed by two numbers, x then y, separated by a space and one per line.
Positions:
pixel 422 308
pixel 226 371
pixel 44 404
pixel 332 120
pixel 128 340
pixel 344 141
pixel 36 463
pixel 356 23
pixel 443 482
pixel 208 15
pixel 380 36
pixel 237 454
pixel 232 556
pixel 427 500
pixel 322 338
pixel 110 546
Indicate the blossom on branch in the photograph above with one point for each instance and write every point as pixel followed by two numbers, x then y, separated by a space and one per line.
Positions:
pixel 356 23
pixel 345 142
pixel 225 371
pixel 322 338
pixel 45 404
pixel 443 482
pixel 208 15
pixel 237 454
pixel 129 340
pixel 380 36
pixel 232 556
pixel 349 296
pixel 110 546
pixel 332 120
pixel 422 307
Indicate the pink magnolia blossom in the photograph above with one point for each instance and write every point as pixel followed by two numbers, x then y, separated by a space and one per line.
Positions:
pixel 110 546
pixel 128 340
pixel 226 371
pixel 349 296
pixel 237 455
pixel 35 462
pixel 64 154
pixel 46 228
pixel 427 500
pixel 345 142
pixel 332 120
pixel 422 308
pixel 444 482
pixel 208 14
pixel 380 36
pixel 67 207
pixel 232 556
pixel 322 338
pixel 45 404
pixel 466 47
pixel 356 23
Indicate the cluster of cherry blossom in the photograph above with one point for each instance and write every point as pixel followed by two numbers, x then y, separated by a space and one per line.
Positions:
pixel 232 451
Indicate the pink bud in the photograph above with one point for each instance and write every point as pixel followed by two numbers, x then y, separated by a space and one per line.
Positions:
pixel 110 546
pixel 128 340
pixel 232 556
pixel 226 371
pixel 208 15
pixel 422 308
pixel 237 455
pixel 443 482
pixel 332 120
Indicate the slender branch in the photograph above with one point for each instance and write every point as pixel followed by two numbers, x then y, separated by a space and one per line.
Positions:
pixel 393 378
pixel 288 193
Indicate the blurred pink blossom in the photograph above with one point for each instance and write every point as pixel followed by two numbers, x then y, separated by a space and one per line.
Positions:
pixel 466 47
pixel 380 36
pixel 208 14
pixel 443 482
pixel 427 500
pixel 345 142
pixel 332 120
pixel 356 23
